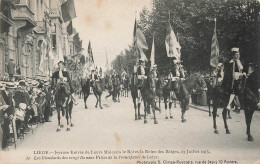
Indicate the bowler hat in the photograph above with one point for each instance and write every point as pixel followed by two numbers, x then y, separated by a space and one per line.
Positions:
pixel 35 83
pixel 60 62
pixel 22 83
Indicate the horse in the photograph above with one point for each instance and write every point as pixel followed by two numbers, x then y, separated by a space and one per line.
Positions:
pixel 210 95
pixel 148 95
pixel 159 89
pixel 97 90
pixel 116 89
pixel 183 89
pixel 85 85
pixel 60 96
pixel 169 96
pixel 248 96
pixel 125 88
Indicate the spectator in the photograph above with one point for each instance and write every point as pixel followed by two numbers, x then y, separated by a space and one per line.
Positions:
pixel 3 107
pixel 8 114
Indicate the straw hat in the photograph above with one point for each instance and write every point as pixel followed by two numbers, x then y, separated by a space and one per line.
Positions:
pixel 35 83
pixel 22 106
pixel 2 87
pixel 10 85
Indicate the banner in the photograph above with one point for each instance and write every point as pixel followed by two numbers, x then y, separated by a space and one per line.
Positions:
pixel 172 45
pixel 214 49
pixel 68 10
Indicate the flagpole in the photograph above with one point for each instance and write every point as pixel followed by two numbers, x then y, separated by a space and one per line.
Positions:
pixel 217 66
pixel 170 42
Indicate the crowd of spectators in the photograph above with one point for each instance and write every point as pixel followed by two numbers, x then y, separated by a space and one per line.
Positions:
pixel 24 102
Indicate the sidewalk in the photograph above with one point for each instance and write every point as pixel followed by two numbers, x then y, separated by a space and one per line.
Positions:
pixel 206 108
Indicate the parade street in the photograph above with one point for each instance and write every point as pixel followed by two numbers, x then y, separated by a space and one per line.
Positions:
pixel 114 128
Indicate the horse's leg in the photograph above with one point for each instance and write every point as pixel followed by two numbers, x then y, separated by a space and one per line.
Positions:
pixel 153 106
pixel 70 112
pixel 224 115
pixel 58 115
pixel 67 118
pixel 208 102
pixel 214 113
pixel 145 111
pixel 170 110
pixel 96 99
pixel 85 100
pixel 119 97
pixel 229 116
pixel 165 107
pixel 134 101
pixel 159 101
pixel 139 105
pixel 183 110
pixel 100 106
pixel 248 115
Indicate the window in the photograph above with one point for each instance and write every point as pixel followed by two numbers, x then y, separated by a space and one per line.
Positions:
pixel 53 41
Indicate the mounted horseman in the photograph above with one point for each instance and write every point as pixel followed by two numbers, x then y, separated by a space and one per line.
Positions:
pixel 93 78
pixel 233 75
pixel 236 82
pixel 63 90
pixel 141 76
pixel 176 73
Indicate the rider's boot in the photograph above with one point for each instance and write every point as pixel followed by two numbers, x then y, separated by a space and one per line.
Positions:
pixel 231 98
pixel 65 102
pixel 74 101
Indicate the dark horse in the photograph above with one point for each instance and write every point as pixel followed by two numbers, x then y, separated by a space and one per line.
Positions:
pixel 183 90
pixel 60 98
pixel 85 85
pixel 116 89
pixel 148 96
pixel 248 96
pixel 97 89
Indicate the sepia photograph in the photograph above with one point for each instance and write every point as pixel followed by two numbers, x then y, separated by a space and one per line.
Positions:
pixel 130 81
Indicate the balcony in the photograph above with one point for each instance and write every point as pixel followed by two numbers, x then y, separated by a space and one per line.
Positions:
pixel 40 28
pixel 55 13
pixel 23 13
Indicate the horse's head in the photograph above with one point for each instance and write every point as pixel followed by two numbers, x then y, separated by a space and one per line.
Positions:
pixel 151 84
pixel 197 82
pixel 200 83
pixel 60 95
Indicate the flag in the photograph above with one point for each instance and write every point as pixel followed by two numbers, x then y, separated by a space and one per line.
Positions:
pixel 139 42
pixel 82 59
pixel 69 28
pixel 100 72
pixel 152 55
pixel 172 45
pixel 91 58
pixel 214 49
pixel 68 10
pixel 44 55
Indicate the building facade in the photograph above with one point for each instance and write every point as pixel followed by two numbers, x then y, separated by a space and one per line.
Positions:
pixel 33 35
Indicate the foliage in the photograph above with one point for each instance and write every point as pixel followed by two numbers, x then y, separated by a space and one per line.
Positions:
pixel 193 22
